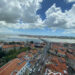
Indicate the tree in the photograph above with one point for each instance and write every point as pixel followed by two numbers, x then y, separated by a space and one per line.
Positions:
pixel 31 42
pixel 2 53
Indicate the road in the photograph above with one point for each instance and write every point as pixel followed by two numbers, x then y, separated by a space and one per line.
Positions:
pixel 41 62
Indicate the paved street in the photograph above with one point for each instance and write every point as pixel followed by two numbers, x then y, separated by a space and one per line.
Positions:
pixel 41 62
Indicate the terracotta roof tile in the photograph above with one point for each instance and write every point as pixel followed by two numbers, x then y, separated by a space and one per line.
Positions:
pixel 21 55
pixel 56 65
pixel 11 66
pixel 62 52
pixel 70 56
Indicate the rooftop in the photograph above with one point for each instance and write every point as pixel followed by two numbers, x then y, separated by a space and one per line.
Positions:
pixel 13 65
pixel 21 55
pixel 57 65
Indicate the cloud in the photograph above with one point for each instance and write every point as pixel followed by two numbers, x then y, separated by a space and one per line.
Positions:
pixel 70 0
pixel 12 11
pixel 30 9
pixel 69 31
pixel 38 24
pixel 4 30
pixel 57 19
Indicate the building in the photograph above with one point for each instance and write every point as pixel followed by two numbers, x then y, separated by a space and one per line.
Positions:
pixel 61 53
pixel 14 67
pixel 1 44
pixel 8 47
pixel 71 60
pixel 21 55
pixel 56 65
pixel 11 47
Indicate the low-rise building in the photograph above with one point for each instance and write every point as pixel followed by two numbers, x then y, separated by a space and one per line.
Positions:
pixel 14 67
pixel 8 47
pixel 56 65
pixel 21 55
pixel 11 47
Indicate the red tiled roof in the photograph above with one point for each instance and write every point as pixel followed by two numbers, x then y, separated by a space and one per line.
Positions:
pixel 30 55
pixel 70 56
pixel 11 66
pixel 11 46
pixel 56 65
pixel 21 55
pixel 8 46
pixel 62 52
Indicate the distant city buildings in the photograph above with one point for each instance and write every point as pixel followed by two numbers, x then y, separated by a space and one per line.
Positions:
pixel 7 46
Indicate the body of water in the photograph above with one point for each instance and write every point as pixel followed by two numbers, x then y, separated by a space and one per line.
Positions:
pixel 20 38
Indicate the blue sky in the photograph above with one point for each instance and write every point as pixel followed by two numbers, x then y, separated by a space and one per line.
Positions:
pixel 38 17
pixel 46 4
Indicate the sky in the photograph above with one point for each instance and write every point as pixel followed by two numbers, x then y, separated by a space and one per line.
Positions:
pixel 37 17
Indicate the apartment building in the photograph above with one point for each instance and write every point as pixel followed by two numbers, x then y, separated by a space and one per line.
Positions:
pixel 55 65
pixel 1 44
pixel 14 67
pixel 8 47
pixel 11 47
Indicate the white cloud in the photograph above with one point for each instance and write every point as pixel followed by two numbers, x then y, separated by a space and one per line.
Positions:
pixel 69 31
pixel 11 11
pixel 55 18
pixel 6 30
pixel 29 13
pixel 71 0
pixel 39 24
